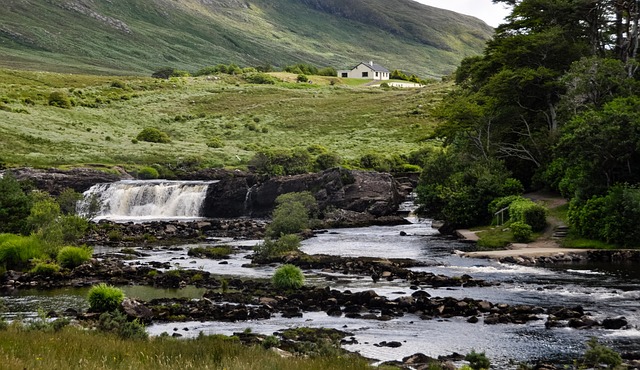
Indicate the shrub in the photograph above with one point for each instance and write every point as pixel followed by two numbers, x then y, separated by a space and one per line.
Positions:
pixel 148 173
pixel 270 248
pixel 302 78
pixel 477 361
pixel 104 298
pixel 59 99
pixel 521 231
pixel 220 252
pixel 45 269
pixel 116 322
pixel 325 161
pixel 282 162
pixel 525 210
pixel 215 143
pixel 288 218
pixel 153 135
pixel 374 161
pixel 68 199
pixel 260 78
pixel 71 257
pixel 288 277
pixel 597 355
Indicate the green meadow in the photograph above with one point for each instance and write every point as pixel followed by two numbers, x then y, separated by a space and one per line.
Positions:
pixel 49 119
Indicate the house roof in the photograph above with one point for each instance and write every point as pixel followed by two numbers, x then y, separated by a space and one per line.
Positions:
pixel 374 67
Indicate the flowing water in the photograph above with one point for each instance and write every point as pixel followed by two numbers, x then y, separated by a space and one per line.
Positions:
pixel 145 200
pixel 604 290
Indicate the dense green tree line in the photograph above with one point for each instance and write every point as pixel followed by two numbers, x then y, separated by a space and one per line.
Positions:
pixel 553 102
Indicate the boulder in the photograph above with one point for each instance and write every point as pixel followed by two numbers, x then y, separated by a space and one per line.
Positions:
pixel 614 323
pixel 54 181
pixel 136 310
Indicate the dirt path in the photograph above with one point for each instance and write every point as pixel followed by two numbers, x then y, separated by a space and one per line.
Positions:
pixel 545 245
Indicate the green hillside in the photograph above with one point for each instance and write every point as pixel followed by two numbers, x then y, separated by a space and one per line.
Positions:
pixel 101 116
pixel 138 36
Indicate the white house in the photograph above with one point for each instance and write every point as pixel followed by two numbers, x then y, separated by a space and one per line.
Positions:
pixel 369 71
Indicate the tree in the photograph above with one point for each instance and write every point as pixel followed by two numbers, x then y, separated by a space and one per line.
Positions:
pixel 15 205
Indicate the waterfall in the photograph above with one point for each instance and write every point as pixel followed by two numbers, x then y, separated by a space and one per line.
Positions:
pixel 137 200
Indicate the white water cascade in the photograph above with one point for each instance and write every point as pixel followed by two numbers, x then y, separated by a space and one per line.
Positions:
pixel 138 200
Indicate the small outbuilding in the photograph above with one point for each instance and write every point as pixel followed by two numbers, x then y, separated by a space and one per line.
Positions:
pixel 367 71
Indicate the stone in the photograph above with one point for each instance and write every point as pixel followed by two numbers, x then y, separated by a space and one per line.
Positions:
pixel 614 323
pixel 136 310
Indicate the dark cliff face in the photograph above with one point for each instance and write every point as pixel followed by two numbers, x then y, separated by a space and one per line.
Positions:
pixel 55 181
pixel 377 194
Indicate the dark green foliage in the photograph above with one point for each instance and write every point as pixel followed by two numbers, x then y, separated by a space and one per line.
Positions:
pixel 326 161
pixel 104 298
pixel 613 218
pixel 598 355
pixel 116 322
pixel 301 69
pixel 458 190
pixel 215 143
pixel 292 213
pixel 526 211
pixel 478 361
pixel 68 199
pixel 45 269
pixel 71 257
pixel 260 78
pixel 288 277
pixel 374 161
pixel 327 71
pixel 270 248
pixel 164 73
pixel 153 135
pixel 521 231
pixel 59 99
pixel 148 173
pixel 282 162
pixel 302 78
pixel 15 205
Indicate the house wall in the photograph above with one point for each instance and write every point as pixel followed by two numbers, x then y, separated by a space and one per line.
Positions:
pixel 357 73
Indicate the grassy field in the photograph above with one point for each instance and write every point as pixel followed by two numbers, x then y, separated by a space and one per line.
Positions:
pixel 74 348
pixel 106 113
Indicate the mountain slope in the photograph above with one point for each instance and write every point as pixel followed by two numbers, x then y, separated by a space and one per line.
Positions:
pixel 138 36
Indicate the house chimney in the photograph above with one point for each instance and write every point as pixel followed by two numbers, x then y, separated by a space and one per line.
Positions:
pixel 371 63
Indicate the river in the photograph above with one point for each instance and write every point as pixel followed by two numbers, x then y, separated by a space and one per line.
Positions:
pixel 602 290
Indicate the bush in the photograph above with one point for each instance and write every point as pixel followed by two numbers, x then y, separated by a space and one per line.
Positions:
pixel 153 135
pixel 302 78
pixel 521 231
pixel 288 218
pixel 71 257
pixel 68 199
pixel 59 99
pixel 597 355
pixel 117 322
pixel 104 298
pixel 260 78
pixel 532 214
pixel 288 277
pixel 270 248
pixel 45 269
pixel 148 173
pixel 280 162
pixel 215 143
pixel 326 161
pixel 478 361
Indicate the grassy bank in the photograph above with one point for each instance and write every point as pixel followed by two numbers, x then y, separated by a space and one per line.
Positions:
pixel 73 348
pixel 105 114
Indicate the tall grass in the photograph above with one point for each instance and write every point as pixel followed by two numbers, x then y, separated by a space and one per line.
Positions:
pixel 77 349
pixel 17 251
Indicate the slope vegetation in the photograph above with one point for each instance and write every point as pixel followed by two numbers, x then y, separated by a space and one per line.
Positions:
pixel 138 36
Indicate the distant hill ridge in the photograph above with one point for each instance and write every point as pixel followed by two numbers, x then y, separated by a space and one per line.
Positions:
pixel 138 36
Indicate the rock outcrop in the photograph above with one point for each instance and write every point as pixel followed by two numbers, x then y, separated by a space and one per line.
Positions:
pixel 55 181
pixel 373 193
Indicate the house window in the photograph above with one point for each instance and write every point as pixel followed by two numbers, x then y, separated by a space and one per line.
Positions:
pixel 345 74
pixel 376 74
pixel 365 74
